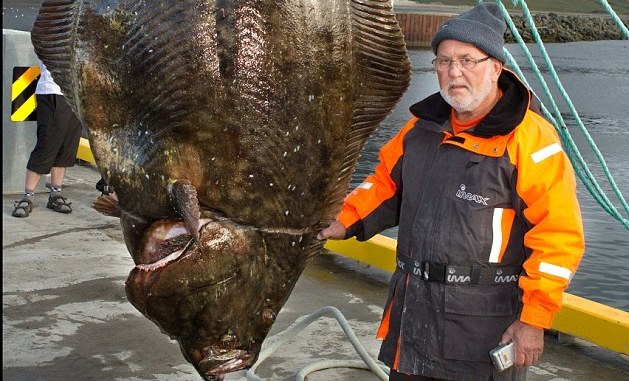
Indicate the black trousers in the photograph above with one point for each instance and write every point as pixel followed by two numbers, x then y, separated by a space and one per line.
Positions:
pixel 58 134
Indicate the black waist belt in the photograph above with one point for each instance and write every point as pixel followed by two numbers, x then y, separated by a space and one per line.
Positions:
pixel 444 273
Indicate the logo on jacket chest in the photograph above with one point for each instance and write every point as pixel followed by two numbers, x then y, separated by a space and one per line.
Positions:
pixel 462 194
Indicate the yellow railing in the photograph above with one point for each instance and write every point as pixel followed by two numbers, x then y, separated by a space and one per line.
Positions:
pixel 595 322
pixel 85 153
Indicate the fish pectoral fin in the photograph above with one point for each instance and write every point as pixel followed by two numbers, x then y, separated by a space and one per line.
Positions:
pixel 107 205
pixel 184 198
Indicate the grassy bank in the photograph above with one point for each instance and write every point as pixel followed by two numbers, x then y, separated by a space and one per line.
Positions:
pixel 568 6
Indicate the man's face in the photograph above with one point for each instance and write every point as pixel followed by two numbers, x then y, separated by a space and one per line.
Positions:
pixel 467 90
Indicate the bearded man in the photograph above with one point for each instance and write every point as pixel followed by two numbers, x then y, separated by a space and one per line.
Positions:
pixel 490 230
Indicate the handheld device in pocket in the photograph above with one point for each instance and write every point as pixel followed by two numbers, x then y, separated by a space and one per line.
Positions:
pixel 503 356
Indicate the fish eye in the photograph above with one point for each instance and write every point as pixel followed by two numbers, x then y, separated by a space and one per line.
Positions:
pixel 268 317
pixel 228 341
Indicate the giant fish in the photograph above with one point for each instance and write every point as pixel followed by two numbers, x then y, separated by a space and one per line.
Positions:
pixel 230 131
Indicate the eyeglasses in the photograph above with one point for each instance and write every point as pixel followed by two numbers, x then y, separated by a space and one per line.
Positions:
pixel 443 64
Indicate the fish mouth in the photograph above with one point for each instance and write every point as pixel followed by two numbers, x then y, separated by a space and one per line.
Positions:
pixel 219 362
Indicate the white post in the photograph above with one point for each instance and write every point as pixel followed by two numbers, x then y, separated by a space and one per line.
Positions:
pixel 18 138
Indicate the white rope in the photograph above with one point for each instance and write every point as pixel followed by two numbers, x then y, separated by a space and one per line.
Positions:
pixel 368 363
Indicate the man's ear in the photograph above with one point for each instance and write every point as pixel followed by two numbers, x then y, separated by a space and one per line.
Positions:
pixel 497 70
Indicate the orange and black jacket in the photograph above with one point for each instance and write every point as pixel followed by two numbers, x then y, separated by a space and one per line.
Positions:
pixel 499 198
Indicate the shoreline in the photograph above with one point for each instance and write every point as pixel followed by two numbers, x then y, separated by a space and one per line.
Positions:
pixel 419 22
pixel 554 27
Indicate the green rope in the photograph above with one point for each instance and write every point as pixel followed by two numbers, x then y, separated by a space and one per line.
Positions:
pixel 581 168
pixel 615 17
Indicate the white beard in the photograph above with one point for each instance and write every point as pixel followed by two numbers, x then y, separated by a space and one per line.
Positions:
pixel 469 102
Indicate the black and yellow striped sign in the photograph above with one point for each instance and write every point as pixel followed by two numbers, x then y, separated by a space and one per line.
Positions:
pixel 23 104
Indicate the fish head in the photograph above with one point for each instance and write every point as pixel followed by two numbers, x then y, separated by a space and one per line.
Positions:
pixel 218 296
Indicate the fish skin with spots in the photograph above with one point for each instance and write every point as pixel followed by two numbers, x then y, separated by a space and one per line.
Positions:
pixel 230 131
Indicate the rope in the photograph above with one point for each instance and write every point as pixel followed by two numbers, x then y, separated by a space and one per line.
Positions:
pixel 369 363
pixel 615 17
pixel 581 168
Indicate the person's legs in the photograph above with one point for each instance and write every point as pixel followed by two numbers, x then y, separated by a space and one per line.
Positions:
pixel 24 207
pixel 32 179
pixel 42 156
pixel 48 140
pixel 68 128
pixel 56 176
pixel 56 202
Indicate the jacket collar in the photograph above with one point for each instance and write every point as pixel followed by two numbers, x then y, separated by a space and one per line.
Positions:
pixel 501 120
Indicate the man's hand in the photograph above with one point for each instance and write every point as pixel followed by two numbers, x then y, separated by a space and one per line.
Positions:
pixel 528 340
pixel 336 230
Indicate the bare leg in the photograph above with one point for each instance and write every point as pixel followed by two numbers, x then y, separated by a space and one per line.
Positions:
pixel 32 179
pixel 56 176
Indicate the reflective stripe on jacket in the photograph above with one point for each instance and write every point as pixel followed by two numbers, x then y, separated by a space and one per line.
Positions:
pixel 502 194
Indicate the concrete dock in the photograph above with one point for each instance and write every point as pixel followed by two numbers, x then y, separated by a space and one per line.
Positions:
pixel 66 317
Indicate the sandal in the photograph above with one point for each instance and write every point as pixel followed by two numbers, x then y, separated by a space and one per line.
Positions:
pixel 22 208
pixel 59 204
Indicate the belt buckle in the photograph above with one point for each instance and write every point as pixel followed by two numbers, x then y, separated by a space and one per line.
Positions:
pixel 435 272
pixel 423 268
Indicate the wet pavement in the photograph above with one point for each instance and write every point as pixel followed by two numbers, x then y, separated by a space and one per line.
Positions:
pixel 66 316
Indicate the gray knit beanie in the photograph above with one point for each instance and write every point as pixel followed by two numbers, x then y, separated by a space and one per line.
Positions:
pixel 482 26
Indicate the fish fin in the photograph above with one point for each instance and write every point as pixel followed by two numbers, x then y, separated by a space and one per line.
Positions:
pixel 382 79
pixel 107 205
pixel 52 36
pixel 184 197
